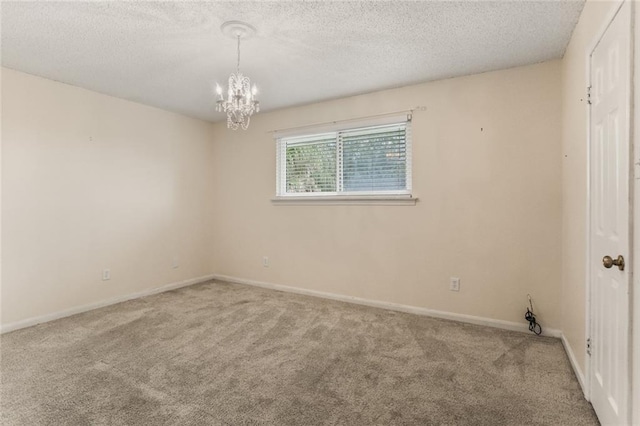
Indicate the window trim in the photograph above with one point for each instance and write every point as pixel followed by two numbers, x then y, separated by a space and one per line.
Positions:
pixel 403 196
pixel 380 200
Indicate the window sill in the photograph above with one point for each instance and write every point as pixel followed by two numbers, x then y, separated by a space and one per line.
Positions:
pixel 376 200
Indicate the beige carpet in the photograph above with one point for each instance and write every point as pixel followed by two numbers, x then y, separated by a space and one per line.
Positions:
pixel 226 354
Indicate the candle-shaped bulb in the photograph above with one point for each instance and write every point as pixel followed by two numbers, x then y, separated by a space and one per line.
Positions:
pixel 218 89
pixel 254 90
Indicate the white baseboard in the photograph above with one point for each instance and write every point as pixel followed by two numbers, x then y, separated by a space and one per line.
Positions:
pixel 488 322
pixel 575 365
pixel 5 328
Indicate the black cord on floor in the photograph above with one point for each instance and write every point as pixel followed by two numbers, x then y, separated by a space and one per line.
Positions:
pixel 533 325
pixel 529 316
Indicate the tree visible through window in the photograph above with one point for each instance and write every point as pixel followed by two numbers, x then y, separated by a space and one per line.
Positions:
pixel 369 160
pixel 311 167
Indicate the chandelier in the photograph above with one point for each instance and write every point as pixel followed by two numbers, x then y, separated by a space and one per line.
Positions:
pixel 241 101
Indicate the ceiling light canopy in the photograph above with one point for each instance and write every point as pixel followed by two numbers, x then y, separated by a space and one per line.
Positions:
pixel 241 102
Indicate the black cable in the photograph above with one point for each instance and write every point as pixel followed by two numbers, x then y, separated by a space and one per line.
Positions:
pixel 529 316
pixel 533 325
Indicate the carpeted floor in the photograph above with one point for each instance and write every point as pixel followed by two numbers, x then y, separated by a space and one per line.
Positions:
pixel 227 354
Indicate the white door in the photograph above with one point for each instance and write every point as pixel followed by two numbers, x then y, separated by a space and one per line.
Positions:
pixel 610 231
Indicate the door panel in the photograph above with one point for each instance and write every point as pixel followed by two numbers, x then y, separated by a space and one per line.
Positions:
pixel 610 230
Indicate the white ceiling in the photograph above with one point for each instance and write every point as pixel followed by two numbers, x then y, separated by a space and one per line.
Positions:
pixel 171 54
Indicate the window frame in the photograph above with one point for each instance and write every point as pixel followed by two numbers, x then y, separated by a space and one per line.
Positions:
pixel 335 129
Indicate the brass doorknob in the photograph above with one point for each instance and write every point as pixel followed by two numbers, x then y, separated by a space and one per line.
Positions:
pixel 608 262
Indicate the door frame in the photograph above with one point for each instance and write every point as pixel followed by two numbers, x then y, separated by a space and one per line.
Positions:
pixel 634 206
pixel 635 215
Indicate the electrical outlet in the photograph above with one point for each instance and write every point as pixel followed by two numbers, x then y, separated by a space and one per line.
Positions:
pixel 174 262
pixel 265 261
pixel 454 284
pixel 106 274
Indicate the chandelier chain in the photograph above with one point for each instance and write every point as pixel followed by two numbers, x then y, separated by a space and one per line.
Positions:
pixel 238 64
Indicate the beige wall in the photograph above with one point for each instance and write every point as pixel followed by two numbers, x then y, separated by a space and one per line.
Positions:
pixel 91 182
pixel 574 174
pixel 487 171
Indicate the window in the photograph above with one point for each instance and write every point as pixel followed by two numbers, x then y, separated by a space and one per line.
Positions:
pixel 372 160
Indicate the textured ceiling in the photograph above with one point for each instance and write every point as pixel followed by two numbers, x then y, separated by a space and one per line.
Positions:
pixel 171 54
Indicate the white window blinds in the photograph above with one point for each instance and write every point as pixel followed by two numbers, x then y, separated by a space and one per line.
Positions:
pixel 372 160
